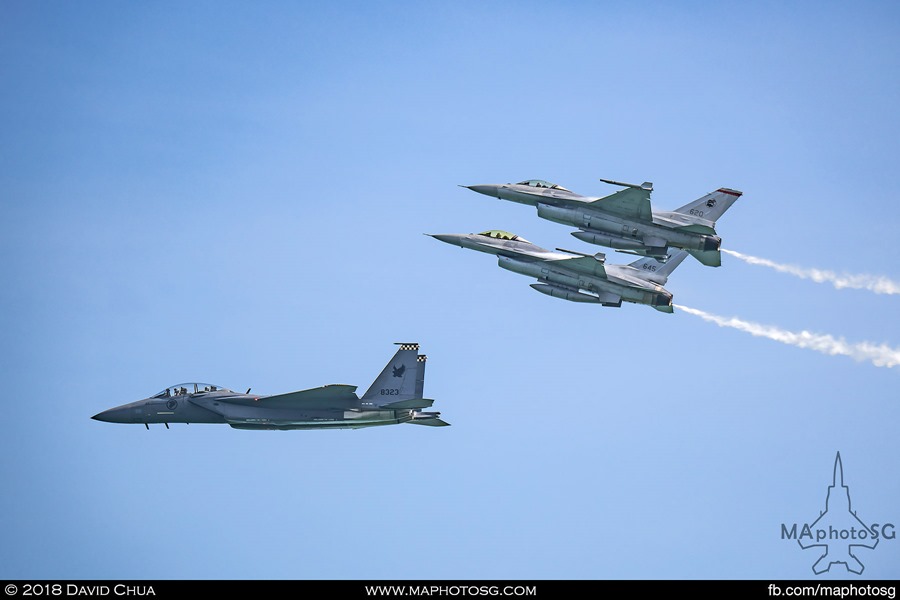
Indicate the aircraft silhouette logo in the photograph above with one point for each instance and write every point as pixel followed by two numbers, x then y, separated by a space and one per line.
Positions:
pixel 838 531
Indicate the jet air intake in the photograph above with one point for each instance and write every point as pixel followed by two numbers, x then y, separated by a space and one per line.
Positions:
pixel 538 271
pixel 559 214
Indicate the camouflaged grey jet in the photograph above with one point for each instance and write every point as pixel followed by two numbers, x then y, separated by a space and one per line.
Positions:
pixel 624 220
pixel 575 276
pixel 394 397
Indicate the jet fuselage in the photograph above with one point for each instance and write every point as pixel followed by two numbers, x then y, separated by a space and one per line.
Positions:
pixel 394 397
pixel 620 283
pixel 209 408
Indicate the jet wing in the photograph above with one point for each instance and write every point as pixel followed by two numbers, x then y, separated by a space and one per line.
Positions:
pixel 630 203
pixel 327 395
pixel 582 264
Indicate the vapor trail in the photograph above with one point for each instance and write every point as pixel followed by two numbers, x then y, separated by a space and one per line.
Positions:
pixel 872 283
pixel 880 355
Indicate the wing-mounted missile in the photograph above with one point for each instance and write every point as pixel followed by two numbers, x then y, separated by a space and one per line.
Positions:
pixel 661 256
pixel 647 186
pixel 598 256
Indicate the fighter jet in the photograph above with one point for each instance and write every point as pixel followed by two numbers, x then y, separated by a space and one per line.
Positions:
pixel 624 220
pixel 394 397
pixel 575 276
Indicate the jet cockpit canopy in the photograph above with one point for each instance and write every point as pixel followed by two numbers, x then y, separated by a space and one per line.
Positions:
pixel 190 388
pixel 540 183
pixel 503 235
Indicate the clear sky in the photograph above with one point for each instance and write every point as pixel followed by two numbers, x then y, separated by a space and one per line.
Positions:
pixel 237 192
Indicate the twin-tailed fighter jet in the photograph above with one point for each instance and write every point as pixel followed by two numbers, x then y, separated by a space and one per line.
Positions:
pixel 575 276
pixel 394 397
pixel 625 220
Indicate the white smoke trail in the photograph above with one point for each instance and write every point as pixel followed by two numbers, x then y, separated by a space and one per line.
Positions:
pixel 880 355
pixel 872 283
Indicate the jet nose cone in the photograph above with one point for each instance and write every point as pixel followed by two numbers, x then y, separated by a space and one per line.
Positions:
pixel 113 415
pixel 487 190
pixel 448 238
pixel 103 416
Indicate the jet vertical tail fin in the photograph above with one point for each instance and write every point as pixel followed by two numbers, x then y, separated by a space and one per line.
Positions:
pixel 656 271
pixel 420 375
pixel 712 205
pixel 431 419
pixel 401 382
pixel 418 400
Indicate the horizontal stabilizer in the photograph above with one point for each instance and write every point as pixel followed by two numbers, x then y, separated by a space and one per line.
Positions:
pixel 432 419
pixel 710 258
pixel 432 422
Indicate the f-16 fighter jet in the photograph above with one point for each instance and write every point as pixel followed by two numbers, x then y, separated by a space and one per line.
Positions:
pixel 575 276
pixel 625 220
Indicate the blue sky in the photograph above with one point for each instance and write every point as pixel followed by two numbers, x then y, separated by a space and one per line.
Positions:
pixel 236 193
